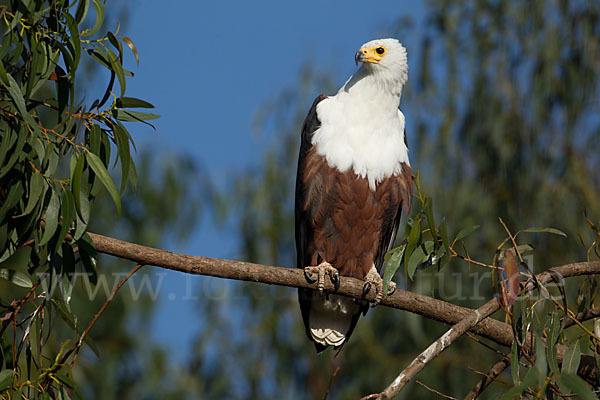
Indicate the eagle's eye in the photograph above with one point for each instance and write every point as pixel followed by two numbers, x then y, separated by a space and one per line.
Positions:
pixel 380 50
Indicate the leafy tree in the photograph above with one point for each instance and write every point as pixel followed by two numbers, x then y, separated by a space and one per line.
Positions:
pixel 55 155
pixel 501 123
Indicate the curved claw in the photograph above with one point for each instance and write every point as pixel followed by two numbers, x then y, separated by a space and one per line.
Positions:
pixel 309 277
pixel 391 288
pixel 366 288
pixel 335 278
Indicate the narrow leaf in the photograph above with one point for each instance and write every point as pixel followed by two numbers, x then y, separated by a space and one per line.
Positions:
pixel 129 43
pixel 416 258
pixel 553 334
pixel 413 239
pixel 576 385
pixel 132 116
pixel 465 232
pixel 99 19
pixel 67 213
pixel 76 184
pixel 545 230
pixel 16 277
pixel 17 97
pixel 444 235
pixel 37 188
pixel 132 102
pixel 18 260
pixel 102 174
pixel 571 360
pixel 6 378
pixel 514 365
pixel 117 68
pixel 51 218
pixel 428 208
pixel 392 265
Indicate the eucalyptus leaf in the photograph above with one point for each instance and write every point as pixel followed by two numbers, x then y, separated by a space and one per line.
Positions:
pixel 463 233
pixel 102 174
pixel 6 379
pixel 551 341
pixel 99 8
pixel 571 359
pixel 413 239
pixel 576 385
pixel 16 277
pixel 132 102
pixel 132 116
pixel 52 213
pixel 392 264
pixel 545 230
pixel 18 260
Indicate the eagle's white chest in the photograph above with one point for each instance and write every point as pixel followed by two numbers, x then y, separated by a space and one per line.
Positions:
pixel 365 133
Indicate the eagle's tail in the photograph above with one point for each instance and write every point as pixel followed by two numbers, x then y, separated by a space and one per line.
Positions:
pixel 332 319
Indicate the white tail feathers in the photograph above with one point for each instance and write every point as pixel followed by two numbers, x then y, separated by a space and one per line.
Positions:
pixel 330 318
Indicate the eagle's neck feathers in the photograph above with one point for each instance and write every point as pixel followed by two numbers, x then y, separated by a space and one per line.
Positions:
pixel 362 127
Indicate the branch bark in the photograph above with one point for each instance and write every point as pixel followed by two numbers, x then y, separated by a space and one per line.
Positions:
pixel 426 306
pixel 438 346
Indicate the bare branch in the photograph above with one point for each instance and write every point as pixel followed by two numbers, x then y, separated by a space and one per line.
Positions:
pixel 438 346
pixel 428 307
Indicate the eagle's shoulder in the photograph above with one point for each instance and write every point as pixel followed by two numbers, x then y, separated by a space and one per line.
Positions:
pixel 311 122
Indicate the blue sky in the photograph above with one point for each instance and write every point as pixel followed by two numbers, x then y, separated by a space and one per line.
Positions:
pixel 208 67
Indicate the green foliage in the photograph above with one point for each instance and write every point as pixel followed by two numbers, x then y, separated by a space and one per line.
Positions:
pixel 55 156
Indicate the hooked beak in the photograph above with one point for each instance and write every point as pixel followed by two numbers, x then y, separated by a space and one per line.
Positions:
pixel 360 56
pixel 367 55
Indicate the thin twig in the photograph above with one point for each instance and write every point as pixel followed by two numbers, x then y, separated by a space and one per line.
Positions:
pixel 435 391
pixel 582 316
pixel 488 378
pixel 512 239
pixel 335 372
pixel 77 347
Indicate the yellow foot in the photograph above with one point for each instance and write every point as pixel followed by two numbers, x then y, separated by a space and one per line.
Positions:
pixel 321 270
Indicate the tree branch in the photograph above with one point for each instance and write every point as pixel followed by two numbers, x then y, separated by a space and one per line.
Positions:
pixel 426 306
pixel 438 346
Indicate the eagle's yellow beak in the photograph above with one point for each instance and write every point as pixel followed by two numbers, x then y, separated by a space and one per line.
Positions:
pixel 370 55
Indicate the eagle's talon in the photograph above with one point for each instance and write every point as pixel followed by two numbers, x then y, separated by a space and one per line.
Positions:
pixel 391 288
pixel 335 278
pixel 366 288
pixel 309 276
pixel 320 270
pixel 372 279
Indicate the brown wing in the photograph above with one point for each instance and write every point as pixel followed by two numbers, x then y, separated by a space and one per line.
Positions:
pixel 303 235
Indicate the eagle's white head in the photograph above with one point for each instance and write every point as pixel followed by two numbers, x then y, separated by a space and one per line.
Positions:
pixel 384 58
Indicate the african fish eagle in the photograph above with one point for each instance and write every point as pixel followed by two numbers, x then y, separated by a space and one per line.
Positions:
pixel 353 181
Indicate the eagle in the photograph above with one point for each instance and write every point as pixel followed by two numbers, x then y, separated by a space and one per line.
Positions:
pixel 353 181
